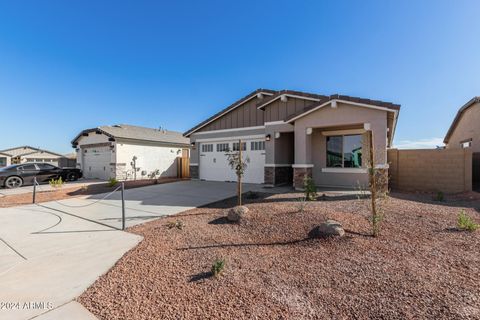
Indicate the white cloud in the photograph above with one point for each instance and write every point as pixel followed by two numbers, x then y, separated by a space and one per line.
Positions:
pixel 430 143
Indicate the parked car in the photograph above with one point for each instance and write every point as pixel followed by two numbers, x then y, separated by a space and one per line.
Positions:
pixel 17 175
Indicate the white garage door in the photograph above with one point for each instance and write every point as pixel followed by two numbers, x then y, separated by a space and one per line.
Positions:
pixel 214 166
pixel 96 163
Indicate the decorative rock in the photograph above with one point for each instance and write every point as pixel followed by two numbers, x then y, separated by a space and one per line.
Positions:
pixel 328 229
pixel 236 213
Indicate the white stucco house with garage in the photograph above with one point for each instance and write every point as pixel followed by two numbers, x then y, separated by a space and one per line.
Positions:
pixel 289 135
pixel 5 159
pixel 128 152
pixel 22 154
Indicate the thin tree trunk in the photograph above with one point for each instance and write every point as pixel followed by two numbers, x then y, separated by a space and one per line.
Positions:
pixel 373 186
pixel 239 186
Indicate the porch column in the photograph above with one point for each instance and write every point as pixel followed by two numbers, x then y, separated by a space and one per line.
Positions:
pixel 303 156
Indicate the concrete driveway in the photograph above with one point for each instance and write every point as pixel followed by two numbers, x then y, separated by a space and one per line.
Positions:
pixel 47 187
pixel 51 253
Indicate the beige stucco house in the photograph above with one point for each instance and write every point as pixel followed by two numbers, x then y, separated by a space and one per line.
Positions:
pixel 5 159
pixel 24 154
pixel 464 131
pixel 288 135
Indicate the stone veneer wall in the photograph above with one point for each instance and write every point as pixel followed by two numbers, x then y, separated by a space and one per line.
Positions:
pixel 278 175
pixel 194 174
pixel 299 175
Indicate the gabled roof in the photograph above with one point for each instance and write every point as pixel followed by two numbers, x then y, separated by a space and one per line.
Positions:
pixel 6 151
pixel 39 151
pixel 317 100
pixel 5 154
pixel 293 94
pixel 362 101
pixel 460 112
pixel 35 150
pixel 125 131
pixel 228 109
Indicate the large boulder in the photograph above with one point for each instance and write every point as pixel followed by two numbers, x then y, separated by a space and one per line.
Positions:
pixel 235 214
pixel 329 228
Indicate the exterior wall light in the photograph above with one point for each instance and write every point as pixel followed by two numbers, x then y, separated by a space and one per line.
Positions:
pixel 268 137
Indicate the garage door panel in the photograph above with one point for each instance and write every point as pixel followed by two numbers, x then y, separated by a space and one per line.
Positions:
pixel 96 163
pixel 214 165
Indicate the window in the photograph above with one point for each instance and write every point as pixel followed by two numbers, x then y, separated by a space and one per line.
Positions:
pixel 207 147
pixel 466 144
pixel 27 167
pixel 222 147
pixel 235 146
pixel 45 166
pixel 344 151
pixel 257 145
pixel 3 162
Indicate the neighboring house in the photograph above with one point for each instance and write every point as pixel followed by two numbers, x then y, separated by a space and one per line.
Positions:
pixel 5 159
pixel 24 154
pixel 128 152
pixel 464 131
pixel 288 135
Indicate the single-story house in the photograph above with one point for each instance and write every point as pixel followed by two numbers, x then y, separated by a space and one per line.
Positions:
pixel 288 135
pixel 128 152
pixel 464 132
pixel 24 154
pixel 5 159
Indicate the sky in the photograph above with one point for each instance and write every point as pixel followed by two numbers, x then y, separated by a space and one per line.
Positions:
pixel 70 65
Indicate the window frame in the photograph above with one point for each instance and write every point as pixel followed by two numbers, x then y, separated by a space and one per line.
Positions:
pixel 207 147
pixel 244 146
pixel 343 151
pixel 257 145
pixel 223 144
pixel 466 144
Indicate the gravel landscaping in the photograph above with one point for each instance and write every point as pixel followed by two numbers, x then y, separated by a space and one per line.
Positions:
pixel 421 266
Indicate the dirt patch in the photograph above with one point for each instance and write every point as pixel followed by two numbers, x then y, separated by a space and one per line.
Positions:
pixel 68 192
pixel 419 268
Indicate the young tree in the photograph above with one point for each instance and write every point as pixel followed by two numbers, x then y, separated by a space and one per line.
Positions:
pixel 239 165
pixel 378 182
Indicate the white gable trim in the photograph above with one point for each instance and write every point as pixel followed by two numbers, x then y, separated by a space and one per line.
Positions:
pixel 227 111
pixel 287 95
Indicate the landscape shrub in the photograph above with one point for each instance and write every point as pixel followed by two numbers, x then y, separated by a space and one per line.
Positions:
pixel 310 189
pixel 465 222
pixel 439 196
pixel 252 195
pixel 175 224
pixel 56 183
pixel 302 204
pixel 112 182
pixel 218 266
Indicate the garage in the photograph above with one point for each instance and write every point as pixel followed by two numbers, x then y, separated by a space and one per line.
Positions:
pixel 96 162
pixel 126 152
pixel 214 165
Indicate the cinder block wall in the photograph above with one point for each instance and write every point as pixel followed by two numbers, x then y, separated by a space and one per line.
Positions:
pixel 445 170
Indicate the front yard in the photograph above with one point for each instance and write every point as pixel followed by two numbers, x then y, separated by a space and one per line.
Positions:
pixel 420 266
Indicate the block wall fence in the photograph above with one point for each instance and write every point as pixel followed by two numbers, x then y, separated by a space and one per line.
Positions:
pixel 430 170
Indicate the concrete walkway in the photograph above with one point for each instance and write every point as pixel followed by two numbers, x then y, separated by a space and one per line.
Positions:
pixel 50 253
